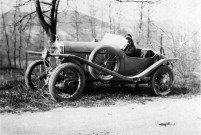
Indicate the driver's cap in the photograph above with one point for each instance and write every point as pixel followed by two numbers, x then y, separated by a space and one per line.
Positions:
pixel 128 36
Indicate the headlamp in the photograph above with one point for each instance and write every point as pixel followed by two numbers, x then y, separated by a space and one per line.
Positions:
pixel 45 53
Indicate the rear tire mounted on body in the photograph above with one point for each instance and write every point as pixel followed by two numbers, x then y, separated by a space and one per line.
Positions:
pixel 66 82
pixel 107 57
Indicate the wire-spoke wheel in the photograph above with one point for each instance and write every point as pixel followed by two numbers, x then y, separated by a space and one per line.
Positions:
pixel 66 82
pixel 106 57
pixel 35 75
pixel 161 81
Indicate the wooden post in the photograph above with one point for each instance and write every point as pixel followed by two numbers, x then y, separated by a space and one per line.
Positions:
pixel 148 28
pixel 140 25
pixel 161 48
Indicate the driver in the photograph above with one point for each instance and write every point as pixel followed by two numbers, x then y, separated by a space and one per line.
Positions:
pixel 130 48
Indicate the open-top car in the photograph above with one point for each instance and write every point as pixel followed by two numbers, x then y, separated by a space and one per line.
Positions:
pixel 67 66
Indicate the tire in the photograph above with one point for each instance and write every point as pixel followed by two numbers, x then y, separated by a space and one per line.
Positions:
pixel 35 75
pixel 107 57
pixel 66 82
pixel 162 81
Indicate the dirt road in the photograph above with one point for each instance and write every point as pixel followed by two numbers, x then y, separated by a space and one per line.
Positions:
pixel 161 116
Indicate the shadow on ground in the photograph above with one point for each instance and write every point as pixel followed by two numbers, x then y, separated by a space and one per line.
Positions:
pixel 98 88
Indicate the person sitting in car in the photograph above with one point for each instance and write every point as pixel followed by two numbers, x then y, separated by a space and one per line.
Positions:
pixel 130 48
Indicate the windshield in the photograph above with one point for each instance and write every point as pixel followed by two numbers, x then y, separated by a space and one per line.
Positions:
pixel 112 39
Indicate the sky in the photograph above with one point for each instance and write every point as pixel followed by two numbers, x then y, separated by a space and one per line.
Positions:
pixel 186 13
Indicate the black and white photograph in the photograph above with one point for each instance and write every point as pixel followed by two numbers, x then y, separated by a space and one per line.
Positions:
pixel 100 67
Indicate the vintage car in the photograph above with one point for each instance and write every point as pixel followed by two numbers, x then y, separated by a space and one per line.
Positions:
pixel 66 67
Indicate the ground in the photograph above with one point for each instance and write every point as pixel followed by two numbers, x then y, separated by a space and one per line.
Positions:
pixel 158 116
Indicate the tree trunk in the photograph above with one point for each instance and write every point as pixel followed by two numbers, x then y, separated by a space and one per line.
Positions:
pixel 140 25
pixel 28 41
pixel 50 28
pixel 92 21
pixel 76 26
pixel 15 39
pixel 110 17
pixel 102 25
pixel 7 39
pixel 20 47
pixel 119 20
pixel 148 28
pixel 20 40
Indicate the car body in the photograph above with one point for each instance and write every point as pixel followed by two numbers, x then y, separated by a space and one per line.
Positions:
pixel 129 65
pixel 103 61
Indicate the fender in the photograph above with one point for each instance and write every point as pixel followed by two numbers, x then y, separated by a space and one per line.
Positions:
pixel 129 78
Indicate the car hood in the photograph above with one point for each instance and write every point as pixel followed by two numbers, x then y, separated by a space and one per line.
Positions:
pixel 84 47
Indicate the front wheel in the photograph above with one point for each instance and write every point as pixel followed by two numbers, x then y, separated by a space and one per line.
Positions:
pixel 35 75
pixel 161 81
pixel 66 82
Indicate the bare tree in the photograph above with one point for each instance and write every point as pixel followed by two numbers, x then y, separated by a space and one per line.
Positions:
pixel 42 37
pixel 48 26
pixel 102 24
pixel 20 37
pixel 119 19
pixel 92 20
pixel 110 16
pixel 15 37
pixel 103 12
pixel 141 16
pixel 140 24
pixel 1 44
pixel 6 37
pixel 28 42
pixel 148 27
pixel 76 21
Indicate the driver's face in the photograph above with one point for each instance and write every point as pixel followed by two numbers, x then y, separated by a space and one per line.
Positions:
pixel 129 41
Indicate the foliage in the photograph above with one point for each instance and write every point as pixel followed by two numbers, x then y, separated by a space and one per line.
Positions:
pixel 191 83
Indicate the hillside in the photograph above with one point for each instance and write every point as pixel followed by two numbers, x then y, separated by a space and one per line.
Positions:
pixel 65 26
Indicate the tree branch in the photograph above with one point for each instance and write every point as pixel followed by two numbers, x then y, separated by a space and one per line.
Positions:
pixel 26 2
pixel 44 24
pixel 26 23
pixel 52 12
pixel 150 2
pixel 47 16
pixel 46 3
pixel 25 17
pixel 56 12
pixel 160 29
pixel 28 15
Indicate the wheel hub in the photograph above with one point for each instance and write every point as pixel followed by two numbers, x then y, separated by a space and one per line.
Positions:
pixel 164 79
pixel 106 63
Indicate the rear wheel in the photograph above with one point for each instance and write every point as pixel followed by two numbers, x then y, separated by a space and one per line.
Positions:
pixel 106 57
pixel 161 81
pixel 66 82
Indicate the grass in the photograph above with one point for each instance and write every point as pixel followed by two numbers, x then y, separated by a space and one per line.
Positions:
pixel 189 84
pixel 16 98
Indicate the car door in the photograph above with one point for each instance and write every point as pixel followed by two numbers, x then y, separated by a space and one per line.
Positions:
pixel 135 65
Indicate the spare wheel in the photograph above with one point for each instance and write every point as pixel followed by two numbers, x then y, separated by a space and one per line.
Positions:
pixel 107 57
